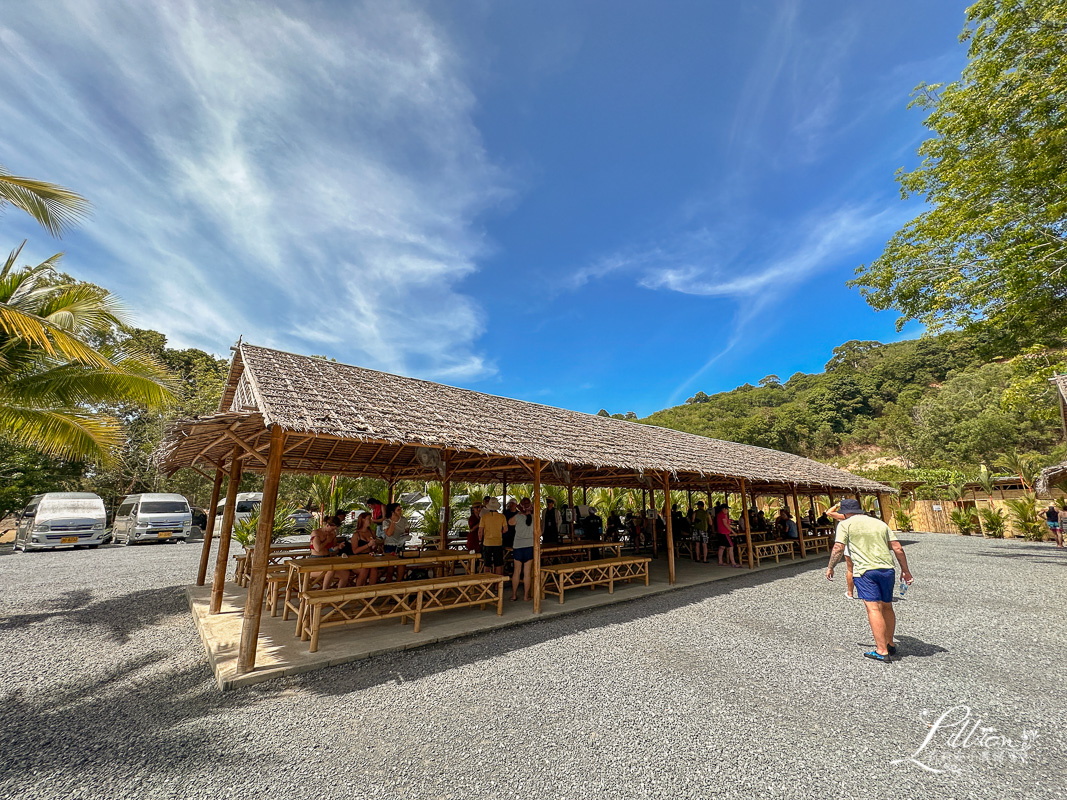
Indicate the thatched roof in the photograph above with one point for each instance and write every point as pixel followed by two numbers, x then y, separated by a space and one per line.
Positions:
pixel 1051 477
pixel 1060 381
pixel 349 420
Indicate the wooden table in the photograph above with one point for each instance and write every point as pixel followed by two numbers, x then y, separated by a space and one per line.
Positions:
pixel 301 570
pixel 581 547
pixel 278 553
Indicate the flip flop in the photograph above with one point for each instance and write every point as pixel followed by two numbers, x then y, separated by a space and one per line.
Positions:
pixel 892 648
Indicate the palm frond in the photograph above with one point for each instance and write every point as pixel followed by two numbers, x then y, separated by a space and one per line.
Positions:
pixel 83 309
pixel 54 341
pixel 67 433
pixel 54 207
pixel 73 385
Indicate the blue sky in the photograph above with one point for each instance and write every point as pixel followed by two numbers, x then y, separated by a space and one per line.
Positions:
pixel 585 204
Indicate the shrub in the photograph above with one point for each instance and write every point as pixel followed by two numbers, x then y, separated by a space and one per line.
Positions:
pixel 1025 519
pixel 993 522
pixel 902 520
pixel 244 531
pixel 965 520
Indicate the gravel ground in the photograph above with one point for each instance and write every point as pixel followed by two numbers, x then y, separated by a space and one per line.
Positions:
pixel 750 687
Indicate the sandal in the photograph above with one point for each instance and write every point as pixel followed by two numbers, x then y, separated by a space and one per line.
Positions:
pixel 892 648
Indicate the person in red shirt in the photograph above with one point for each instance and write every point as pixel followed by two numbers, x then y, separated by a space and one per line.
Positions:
pixel 725 535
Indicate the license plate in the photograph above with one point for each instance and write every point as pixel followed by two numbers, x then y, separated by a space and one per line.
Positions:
pixel 69 540
pixel 164 534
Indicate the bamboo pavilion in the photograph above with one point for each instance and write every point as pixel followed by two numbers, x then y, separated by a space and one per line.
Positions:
pixel 282 412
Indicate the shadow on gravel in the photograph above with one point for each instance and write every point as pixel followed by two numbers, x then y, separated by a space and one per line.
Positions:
pixel 427 661
pixel 910 647
pixel 120 616
pixel 1043 556
pixel 131 718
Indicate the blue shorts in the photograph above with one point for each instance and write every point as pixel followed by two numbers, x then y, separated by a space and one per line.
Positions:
pixel 522 554
pixel 876 585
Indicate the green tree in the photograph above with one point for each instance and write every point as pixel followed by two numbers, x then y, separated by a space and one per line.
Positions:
pixel 53 383
pixel 991 245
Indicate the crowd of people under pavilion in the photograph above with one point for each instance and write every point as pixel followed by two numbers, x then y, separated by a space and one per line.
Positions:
pixel 285 413
pixel 502 535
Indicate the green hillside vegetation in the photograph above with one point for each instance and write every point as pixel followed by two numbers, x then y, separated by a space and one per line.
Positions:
pixel 929 403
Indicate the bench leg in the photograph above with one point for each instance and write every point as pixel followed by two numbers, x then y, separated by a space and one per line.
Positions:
pixel 418 613
pixel 500 599
pixel 316 620
pixel 646 574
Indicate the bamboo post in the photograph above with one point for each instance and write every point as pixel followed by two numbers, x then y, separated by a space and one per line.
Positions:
pixel 667 521
pixel 537 536
pixel 446 510
pixel 504 496
pixel 644 505
pixel 881 508
pixel 205 552
pixel 800 529
pixel 655 535
pixel 246 655
pixel 585 497
pixel 748 525
pixel 389 492
pixel 219 583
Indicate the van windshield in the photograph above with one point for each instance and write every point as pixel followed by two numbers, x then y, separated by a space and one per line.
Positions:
pixel 247 506
pixel 88 507
pixel 164 507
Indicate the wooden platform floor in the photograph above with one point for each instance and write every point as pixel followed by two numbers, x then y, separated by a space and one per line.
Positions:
pixel 281 653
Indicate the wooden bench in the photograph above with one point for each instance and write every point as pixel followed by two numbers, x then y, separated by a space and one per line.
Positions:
pixel 335 607
pixel 277 577
pixel 557 578
pixel 817 543
pixel 761 550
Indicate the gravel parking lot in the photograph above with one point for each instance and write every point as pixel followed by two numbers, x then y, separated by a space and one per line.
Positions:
pixel 749 687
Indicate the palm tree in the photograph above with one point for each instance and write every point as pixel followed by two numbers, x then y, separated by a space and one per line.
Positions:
pixel 1023 466
pixel 54 385
pixel 988 483
pixel 54 207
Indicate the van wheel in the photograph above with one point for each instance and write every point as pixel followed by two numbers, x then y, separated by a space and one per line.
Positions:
pixel 93 546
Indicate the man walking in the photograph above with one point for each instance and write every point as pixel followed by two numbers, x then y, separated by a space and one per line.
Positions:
pixel 871 546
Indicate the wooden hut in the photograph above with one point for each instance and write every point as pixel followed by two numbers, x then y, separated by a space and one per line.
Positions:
pixel 282 412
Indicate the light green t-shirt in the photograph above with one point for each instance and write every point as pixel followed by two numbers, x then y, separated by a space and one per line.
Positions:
pixel 867 540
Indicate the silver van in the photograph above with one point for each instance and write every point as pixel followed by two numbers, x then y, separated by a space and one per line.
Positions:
pixel 153 518
pixel 61 519
pixel 247 502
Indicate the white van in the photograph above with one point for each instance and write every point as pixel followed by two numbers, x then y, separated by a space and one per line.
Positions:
pixel 61 519
pixel 247 502
pixel 153 518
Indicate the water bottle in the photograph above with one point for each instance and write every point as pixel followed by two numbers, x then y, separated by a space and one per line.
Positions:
pixel 903 587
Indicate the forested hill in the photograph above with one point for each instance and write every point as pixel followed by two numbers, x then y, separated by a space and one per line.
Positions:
pixel 935 402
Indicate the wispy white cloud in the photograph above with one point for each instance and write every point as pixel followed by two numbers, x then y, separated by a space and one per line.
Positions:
pixel 702 263
pixel 312 181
